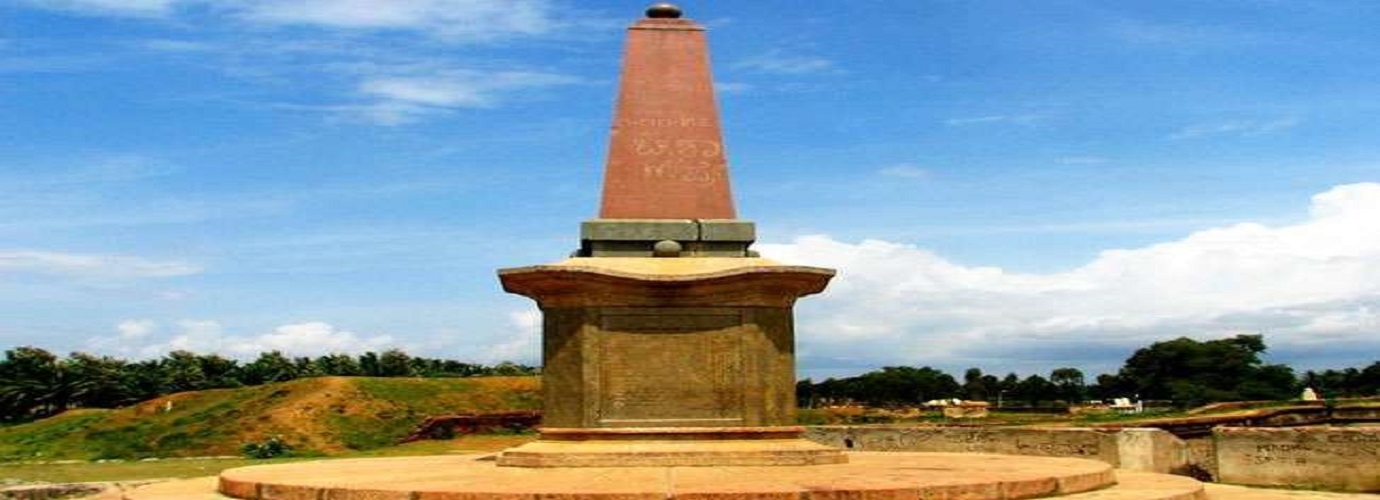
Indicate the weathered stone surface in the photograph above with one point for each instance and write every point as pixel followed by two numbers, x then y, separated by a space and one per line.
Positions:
pixel 866 476
pixel 638 237
pixel 1136 449
pixel 652 282
pixel 1328 458
pixel 666 155
pixel 727 230
pixel 671 446
pixel 586 486
pixel 1152 450
pixel 667 342
pixel 640 230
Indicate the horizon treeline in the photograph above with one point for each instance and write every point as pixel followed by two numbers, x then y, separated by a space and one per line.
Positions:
pixel 1182 372
pixel 35 383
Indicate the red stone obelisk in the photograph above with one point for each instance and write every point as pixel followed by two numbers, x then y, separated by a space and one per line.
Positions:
pixel 666 178
pixel 666 154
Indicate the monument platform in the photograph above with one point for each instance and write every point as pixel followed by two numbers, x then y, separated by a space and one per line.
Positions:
pixel 889 476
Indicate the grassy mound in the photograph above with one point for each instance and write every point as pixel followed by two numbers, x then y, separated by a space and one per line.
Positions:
pixel 325 415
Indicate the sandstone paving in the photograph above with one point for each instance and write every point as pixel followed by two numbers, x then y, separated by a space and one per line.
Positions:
pixel 632 484
pixel 1230 492
pixel 473 477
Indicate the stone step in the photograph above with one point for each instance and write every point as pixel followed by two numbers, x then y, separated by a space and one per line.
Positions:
pixel 1133 485
pixel 1130 486
pixel 201 488
pixel 1229 492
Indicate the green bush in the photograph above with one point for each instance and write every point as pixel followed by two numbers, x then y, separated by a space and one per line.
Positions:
pixel 273 447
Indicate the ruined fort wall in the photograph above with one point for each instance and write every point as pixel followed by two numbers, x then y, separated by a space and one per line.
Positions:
pixel 1326 458
pixel 1139 449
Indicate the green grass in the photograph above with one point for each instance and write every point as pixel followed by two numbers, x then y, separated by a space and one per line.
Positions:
pixel 315 416
pixel 196 423
pixel 399 404
pixel 84 472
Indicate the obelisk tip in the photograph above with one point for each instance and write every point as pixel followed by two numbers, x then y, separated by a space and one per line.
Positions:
pixel 664 10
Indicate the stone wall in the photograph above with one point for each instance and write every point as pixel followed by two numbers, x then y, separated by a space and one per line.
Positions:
pixel 1326 458
pixel 1138 449
pixel 1203 457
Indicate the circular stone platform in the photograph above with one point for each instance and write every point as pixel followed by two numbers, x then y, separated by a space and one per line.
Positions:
pixel 868 476
pixel 472 477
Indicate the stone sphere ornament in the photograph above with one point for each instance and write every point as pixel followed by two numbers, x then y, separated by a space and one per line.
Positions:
pixel 667 248
pixel 663 10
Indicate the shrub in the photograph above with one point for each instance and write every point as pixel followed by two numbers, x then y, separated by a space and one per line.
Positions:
pixel 272 447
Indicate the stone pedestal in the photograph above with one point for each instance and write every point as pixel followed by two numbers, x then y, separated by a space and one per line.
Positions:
pixel 668 361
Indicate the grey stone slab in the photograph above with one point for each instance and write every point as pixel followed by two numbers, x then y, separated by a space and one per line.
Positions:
pixel 639 230
pixel 727 230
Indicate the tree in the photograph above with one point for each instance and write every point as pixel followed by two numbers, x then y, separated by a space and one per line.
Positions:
pixel 270 366
pixel 904 386
pixel 1108 386
pixel 34 384
pixel 338 365
pixel 1069 385
pixel 104 380
pixel 805 394
pixel 976 386
pixel 183 369
pixel 1035 390
pixel 369 364
pixel 1368 380
pixel 1007 388
pixel 144 380
pixel 1193 373
pixel 220 372
pixel 394 363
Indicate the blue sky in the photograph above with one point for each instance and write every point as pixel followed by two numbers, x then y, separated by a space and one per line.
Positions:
pixel 1012 185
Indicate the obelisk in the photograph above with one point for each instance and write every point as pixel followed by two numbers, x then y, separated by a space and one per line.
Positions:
pixel 665 340
pixel 666 155
pixel 666 177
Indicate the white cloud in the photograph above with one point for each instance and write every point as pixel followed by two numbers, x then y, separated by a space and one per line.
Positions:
pixel 197 336
pixel 456 20
pixel 904 171
pixel 208 336
pixel 723 88
pixel 1238 128
pixel 90 265
pixel 399 99
pixel 135 8
pixel 522 339
pixel 780 62
pixel 1184 36
pixel 132 329
pixel 426 91
pixel 894 303
pixel 451 19
pixel 1022 119
pixel 1082 160
pixel 311 338
pixel 177 46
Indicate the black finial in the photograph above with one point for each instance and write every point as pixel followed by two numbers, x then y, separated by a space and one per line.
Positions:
pixel 663 10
